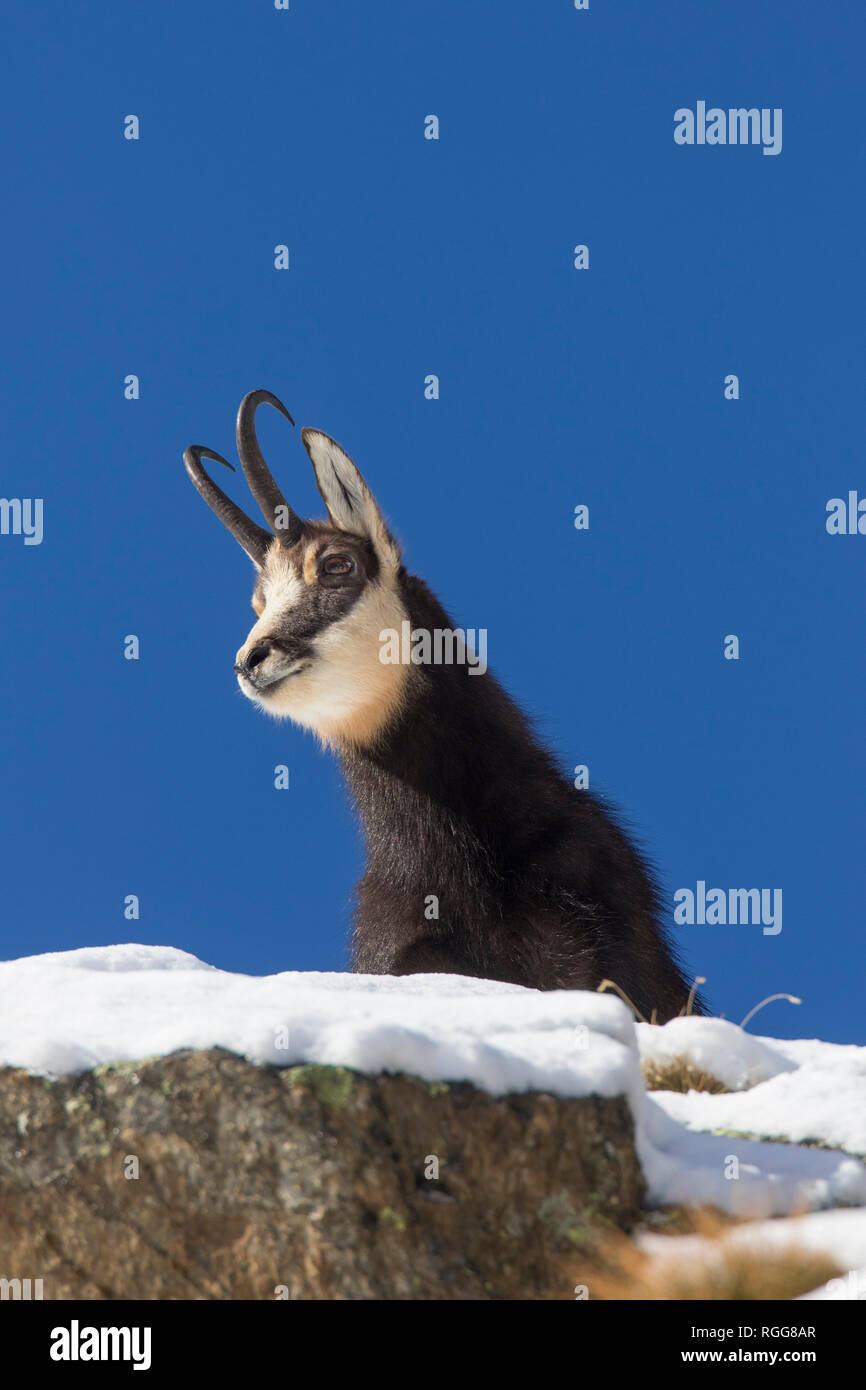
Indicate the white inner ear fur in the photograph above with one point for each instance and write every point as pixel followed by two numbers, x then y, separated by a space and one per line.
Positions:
pixel 350 503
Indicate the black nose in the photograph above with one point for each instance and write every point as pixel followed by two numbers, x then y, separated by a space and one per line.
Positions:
pixel 254 658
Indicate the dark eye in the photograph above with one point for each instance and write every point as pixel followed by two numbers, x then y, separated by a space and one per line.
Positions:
pixel 338 564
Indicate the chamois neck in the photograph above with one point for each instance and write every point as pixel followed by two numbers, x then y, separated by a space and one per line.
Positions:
pixel 458 759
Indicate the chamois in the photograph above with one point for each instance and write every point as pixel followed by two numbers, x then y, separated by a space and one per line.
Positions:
pixel 462 808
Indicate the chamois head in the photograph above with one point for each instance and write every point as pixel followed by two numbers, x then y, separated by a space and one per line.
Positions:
pixel 324 589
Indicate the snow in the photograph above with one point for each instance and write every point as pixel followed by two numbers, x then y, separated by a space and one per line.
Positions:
pixel 851 1286
pixel 75 1010
pixel 716 1046
pixel 770 1179
pixel 803 1092
pixel 72 1011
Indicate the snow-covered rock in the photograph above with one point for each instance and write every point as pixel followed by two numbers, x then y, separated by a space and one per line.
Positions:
pixel 71 1011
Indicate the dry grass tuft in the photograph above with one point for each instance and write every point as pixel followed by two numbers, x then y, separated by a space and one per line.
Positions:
pixel 679 1074
pixel 685 1012
pixel 722 1271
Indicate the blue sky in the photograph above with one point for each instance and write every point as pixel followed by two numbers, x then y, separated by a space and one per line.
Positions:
pixel 557 387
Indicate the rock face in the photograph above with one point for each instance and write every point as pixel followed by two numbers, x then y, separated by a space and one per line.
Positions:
pixel 306 1183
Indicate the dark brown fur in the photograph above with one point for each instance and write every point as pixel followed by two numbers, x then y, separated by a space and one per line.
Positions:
pixel 536 883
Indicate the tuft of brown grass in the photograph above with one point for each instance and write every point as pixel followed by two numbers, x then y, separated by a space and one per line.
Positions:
pixel 679 1074
pixel 723 1270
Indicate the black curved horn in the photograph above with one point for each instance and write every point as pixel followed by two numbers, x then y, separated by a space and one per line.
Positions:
pixel 254 539
pixel 286 524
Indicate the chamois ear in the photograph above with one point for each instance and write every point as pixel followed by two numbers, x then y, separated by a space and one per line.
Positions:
pixel 350 503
